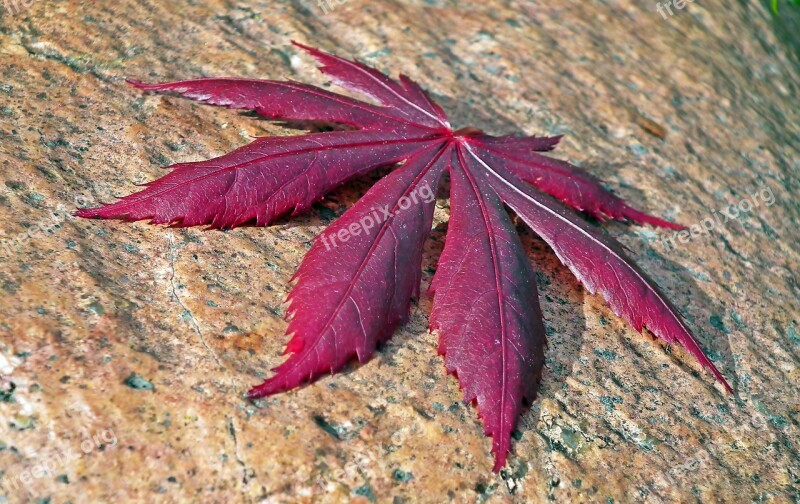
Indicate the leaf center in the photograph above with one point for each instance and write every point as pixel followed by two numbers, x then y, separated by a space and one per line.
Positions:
pixel 468 131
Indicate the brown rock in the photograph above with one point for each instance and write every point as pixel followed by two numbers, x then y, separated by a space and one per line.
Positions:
pixel 125 349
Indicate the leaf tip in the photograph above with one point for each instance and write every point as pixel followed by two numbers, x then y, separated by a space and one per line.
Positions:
pixel 643 218
pixel 137 84
pixel 310 50
pixel 501 448
pixel 499 463
pixel 268 387
pixel 87 213
pixel 257 392
pixel 721 379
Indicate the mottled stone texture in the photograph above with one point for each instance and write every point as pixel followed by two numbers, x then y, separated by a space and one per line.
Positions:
pixel 149 336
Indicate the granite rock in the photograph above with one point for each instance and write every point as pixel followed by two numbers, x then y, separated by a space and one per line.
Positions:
pixel 125 349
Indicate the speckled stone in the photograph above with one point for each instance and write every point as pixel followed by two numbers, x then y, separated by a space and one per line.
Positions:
pixel 125 349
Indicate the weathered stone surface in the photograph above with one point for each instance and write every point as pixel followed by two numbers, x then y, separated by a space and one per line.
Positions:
pixel 146 338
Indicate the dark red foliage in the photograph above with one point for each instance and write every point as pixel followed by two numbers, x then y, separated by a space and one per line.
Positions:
pixel 356 284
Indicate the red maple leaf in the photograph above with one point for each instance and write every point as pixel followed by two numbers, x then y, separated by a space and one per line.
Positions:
pixel 355 285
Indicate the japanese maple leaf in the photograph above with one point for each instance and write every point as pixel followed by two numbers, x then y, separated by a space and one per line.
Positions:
pixel 355 285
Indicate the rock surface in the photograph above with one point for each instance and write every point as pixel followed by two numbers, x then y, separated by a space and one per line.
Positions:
pixel 125 349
